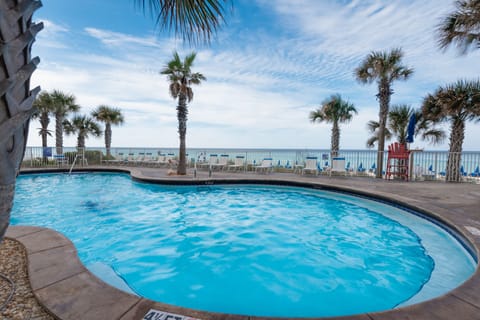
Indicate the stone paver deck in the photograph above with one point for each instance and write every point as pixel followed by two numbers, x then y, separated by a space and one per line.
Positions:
pixel 69 291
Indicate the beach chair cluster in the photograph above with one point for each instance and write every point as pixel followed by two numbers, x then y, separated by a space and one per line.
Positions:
pixel 223 163
pixel 143 159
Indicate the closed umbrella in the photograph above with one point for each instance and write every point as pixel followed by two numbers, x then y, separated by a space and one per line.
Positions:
pixel 411 128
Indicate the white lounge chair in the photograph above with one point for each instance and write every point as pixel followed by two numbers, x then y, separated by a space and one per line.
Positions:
pixel 338 165
pixel 212 160
pixel 238 164
pixel 119 159
pixel 311 166
pixel 221 164
pixel 266 166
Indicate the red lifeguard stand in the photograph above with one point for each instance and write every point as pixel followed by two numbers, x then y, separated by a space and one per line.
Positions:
pixel 397 161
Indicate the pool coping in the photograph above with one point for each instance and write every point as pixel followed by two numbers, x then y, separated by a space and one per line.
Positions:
pixel 67 290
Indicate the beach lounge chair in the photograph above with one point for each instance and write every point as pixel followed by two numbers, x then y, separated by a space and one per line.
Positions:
pixel 221 164
pixel 265 167
pixel 239 163
pixel 60 159
pixel 338 165
pixel 298 167
pixel 118 159
pixel 311 166
pixel 476 172
pixel 207 165
pixel 430 174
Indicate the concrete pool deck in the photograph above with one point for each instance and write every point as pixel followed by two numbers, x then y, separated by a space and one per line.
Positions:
pixel 69 291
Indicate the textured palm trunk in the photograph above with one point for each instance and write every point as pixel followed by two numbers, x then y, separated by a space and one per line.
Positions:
pixel 80 142
pixel 59 133
pixel 455 153
pixel 17 34
pixel 182 113
pixel 108 138
pixel 44 121
pixel 384 98
pixel 335 139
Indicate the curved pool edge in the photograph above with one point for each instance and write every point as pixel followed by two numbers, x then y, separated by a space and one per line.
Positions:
pixel 69 291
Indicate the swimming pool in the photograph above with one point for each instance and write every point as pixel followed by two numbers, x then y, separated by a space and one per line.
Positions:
pixel 257 250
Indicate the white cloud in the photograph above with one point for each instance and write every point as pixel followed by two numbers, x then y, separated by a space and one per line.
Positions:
pixel 260 86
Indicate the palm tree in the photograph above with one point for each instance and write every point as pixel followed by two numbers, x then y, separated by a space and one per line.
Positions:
pixel 44 108
pixel 456 103
pixel 63 105
pixel 109 116
pixel 191 19
pixel 181 77
pixel 195 20
pixel 17 34
pixel 335 110
pixel 461 27
pixel 398 119
pixel 384 68
pixel 83 126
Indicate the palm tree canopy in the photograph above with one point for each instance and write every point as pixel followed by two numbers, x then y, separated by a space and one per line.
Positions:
pixel 334 109
pixel 43 104
pixel 63 103
pixel 460 100
pixel 180 75
pixel 108 114
pixel 83 125
pixel 461 27
pixel 398 118
pixel 383 66
pixel 195 20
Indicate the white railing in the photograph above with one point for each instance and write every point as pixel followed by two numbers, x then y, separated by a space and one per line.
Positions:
pixel 424 165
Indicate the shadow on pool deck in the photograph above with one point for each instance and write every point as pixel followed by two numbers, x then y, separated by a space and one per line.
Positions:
pixel 69 291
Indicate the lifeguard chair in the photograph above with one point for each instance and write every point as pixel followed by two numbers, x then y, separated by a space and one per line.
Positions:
pixel 397 161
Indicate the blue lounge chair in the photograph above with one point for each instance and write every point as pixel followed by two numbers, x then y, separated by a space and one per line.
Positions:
pixel 360 168
pixel 476 172
pixel 462 172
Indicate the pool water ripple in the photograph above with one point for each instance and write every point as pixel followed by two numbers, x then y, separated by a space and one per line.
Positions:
pixel 257 250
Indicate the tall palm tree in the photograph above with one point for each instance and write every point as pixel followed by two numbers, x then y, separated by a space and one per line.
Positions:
pixel 181 78
pixel 83 126
pixel 196 19
pixel 44 108
pixel 17 34
pixel 456 103
pixel 384 68
pixel 398 119
pixel 334 110
pixel 109 116
pixel 461 27
pixel 63 105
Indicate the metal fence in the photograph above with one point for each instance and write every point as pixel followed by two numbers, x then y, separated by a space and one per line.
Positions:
pixel 423 165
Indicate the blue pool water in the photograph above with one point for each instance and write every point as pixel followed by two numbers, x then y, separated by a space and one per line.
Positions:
pixel 256 250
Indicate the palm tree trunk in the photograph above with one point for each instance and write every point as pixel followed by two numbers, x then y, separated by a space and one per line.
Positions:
pixel 108 138
pixel 455 153
pixel 335 139
pixel 384 93
pixel 44 121
pixel 59 133
pixel 17 33
pixel 182 113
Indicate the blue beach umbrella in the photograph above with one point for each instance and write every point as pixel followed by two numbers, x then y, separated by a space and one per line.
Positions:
pixel 411 128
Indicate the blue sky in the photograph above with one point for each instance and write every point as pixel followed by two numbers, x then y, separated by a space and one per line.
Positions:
pixel 273 63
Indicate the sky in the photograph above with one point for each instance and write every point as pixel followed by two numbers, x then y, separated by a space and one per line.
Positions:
pixel 272 63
